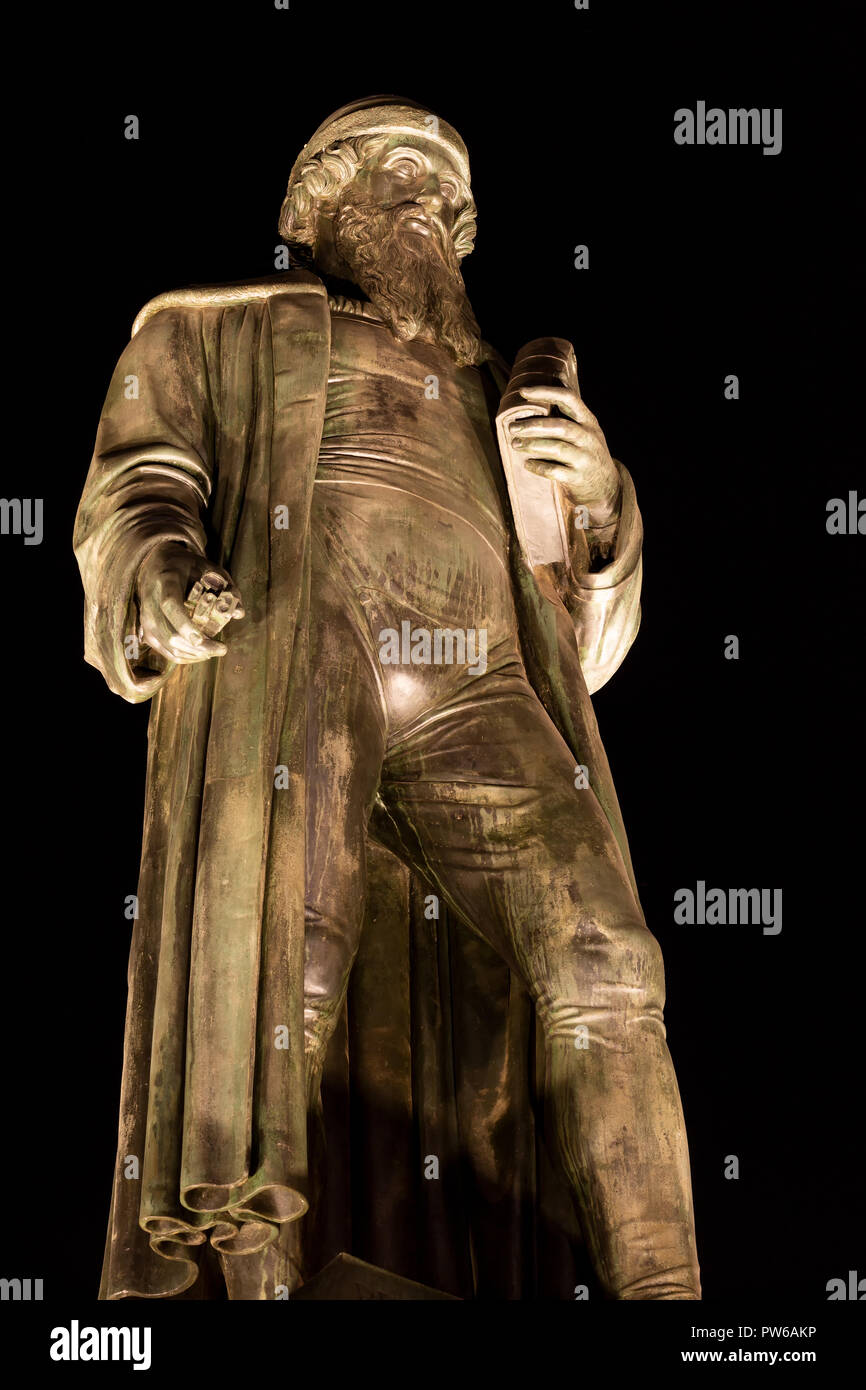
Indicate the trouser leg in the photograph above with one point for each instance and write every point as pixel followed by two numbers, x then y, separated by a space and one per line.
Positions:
pixel 485 801
pixel 345 749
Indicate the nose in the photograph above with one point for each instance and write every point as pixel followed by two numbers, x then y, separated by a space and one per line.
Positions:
pixel 430 195
pixel 433 201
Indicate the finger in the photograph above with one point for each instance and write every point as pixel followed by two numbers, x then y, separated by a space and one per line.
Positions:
pixel 179 619
pixel 158 645
pixel 548 426
pixel 563 398
pixel 160 633
pixel 187 651
pixel 559 451
pixel 556 472
pixel 192 644
pixel 150 640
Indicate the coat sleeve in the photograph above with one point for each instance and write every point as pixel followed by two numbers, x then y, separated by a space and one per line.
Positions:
pixel 149 481
pixel 602 593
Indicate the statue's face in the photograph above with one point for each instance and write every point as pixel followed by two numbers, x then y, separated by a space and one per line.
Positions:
pixel 418 175
pixel 390 232
pixel 414 184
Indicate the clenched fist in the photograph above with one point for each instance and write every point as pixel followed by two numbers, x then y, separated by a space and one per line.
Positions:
pixel 165 578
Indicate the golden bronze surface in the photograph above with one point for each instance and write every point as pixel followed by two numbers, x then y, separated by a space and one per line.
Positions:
pixel 391 989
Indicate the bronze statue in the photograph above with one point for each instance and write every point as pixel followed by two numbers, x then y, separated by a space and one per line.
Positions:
pixel 370 637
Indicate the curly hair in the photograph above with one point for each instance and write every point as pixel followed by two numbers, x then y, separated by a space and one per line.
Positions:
pixel 324 177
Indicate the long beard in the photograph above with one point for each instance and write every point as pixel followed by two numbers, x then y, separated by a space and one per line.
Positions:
pixel 413 282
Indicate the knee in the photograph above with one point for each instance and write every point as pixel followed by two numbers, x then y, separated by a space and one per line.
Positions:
pixel 617 938
pixel 636 958
pixel 610 983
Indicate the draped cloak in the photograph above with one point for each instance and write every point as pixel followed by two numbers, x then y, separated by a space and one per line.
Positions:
pixel 433 1086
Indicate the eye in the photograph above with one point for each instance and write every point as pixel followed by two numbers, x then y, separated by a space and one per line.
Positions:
pixel 404 168
pixel 449 191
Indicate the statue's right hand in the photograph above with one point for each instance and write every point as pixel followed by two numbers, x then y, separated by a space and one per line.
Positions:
pixel 165 577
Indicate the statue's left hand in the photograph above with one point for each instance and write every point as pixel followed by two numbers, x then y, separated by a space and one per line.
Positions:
pixel 571 449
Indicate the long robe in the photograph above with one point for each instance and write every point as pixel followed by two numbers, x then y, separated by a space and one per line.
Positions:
pixel 211 426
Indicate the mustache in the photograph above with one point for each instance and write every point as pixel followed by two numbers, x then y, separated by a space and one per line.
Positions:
pixel 417 212
pixel 386 226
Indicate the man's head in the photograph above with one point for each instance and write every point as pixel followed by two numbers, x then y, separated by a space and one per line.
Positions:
pixel 380 196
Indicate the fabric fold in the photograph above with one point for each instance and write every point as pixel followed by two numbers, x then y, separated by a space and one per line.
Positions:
pixel 213 1107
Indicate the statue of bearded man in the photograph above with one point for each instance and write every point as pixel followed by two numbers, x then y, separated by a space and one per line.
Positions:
pixel 387 760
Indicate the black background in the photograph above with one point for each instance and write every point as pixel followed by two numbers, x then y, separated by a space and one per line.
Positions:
pixel 703 262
